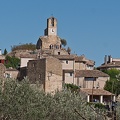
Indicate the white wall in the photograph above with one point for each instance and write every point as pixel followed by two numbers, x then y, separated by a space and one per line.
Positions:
pixel 24 61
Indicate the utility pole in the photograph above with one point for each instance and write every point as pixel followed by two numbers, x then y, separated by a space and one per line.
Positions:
pixel 92 90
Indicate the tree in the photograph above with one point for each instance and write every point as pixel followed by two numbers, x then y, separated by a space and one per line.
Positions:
pixel 63 42
pixel 5 52
pixel 113 84
pixel 13 62
pixel 22 101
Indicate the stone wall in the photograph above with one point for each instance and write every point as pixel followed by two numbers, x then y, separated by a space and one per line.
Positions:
pixel 36 71
pixel 80 66
pixel 46 41
pixel 47 72
pixel 53 75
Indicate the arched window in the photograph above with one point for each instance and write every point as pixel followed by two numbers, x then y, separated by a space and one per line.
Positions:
pixel 51 46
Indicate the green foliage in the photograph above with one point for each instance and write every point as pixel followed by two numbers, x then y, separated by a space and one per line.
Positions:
pixel 63 42
pixel 12 62
pixel 112 73
pixel 27 46
pixel 22 101
pixel 5 52
pixel 72 87
pixel 113 84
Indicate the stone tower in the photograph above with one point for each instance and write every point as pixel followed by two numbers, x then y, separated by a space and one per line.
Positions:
pixel 51 27
pixel 50 40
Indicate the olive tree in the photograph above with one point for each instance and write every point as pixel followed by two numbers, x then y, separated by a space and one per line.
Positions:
pixel 23 101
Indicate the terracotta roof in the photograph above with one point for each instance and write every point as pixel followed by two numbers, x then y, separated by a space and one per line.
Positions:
pixel 95 91
pixel 65 57
pixel 112 64
pixel 83 59
pixel 80 59
pixel 90 62
pixel 90 73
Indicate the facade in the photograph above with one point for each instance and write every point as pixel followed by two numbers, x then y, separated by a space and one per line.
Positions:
pixel 90 79
pixel 46 71
pixel 68 67
pixel 82 63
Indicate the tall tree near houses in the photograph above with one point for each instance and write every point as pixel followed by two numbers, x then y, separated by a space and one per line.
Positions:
pixel 5 52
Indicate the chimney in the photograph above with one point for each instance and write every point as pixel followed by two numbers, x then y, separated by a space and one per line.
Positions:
pixel 105 59
pixel 109 59
pixel 0 52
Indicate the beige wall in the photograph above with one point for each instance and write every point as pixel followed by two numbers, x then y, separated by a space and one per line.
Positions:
pixel 69 66
pixel 53 83
pixel 11 73
pixel 80 66
pixel 24 61
pixel 68 78
pixel 53 80
pixel 100 82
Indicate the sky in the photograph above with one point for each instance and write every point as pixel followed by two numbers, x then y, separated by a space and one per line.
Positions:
pixel 90 27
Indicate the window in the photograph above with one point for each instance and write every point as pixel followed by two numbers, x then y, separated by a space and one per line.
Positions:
pixel 52 21
pixel 70 73
pixel 90 79
pixel 66 61
pixel 58 53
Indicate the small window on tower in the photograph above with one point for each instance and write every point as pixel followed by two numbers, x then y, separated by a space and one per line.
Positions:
pixel 52 21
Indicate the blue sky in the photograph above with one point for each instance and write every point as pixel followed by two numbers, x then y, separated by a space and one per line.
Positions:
pixel 91 27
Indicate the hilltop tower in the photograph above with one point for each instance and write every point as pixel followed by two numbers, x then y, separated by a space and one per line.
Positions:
pixel 51 27
pixel 50 40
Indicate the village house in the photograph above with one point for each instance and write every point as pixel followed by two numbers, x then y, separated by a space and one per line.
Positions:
pixel 97 95
pixel 90 79
pixel 110 63
pixel 47 72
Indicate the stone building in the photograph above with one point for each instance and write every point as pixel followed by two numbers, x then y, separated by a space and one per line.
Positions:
pixel 90 79
pixel 110 63
pixel 46 71
pixel 50 43
pixel 50 40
